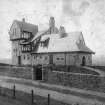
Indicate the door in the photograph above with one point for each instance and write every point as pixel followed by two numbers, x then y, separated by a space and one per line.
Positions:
pixel 19 60
pixel 38 73
pixel 83 61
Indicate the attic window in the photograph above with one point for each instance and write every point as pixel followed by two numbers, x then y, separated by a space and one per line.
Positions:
pixel 45 43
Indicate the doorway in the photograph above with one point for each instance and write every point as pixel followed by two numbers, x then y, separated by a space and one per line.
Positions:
pixel 83 61
pixel 39 73
pixel 19 60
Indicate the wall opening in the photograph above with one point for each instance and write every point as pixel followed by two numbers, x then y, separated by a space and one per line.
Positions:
pixel 39 73
pixel 19 60
pixel 83 61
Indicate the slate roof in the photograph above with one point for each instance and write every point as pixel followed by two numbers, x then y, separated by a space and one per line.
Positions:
pixel 69 43
pixel 24 26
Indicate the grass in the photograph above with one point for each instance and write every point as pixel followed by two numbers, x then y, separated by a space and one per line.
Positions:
pixel 8 101
pixel 101 68
pixel 74 69
pixel 19 72
pixel 23 98
pixel 25 72
pixel 65 91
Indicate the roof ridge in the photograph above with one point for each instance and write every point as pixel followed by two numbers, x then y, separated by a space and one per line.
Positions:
pixel 25 22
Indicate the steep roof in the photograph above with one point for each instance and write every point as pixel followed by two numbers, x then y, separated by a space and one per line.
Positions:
pixel 24 26
pixel 72 42
pixel 40 33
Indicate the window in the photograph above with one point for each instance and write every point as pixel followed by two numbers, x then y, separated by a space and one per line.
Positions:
pixel 28 57
pixel 62 58
pixel 57 58
pixel 34 57
pixel 45 57
pixel 13 50
pixel 16 51
pixel 15 31
pixel 24 56
pixel 40 57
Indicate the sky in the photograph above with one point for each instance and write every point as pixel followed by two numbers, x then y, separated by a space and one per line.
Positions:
pixel 87 16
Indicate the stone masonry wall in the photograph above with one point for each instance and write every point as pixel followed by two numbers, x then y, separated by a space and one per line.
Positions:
pixel 83 81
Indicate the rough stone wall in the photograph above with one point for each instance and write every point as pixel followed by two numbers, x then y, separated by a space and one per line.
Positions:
pixel 91 82
pixel 62 59
pixel 71 59
pixel 26 59
pixel 88 58
pixel 15 52
pixel 59 59
pixel 40 59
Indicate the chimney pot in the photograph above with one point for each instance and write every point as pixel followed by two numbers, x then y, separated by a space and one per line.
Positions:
pixel 62 31
pixel 52 22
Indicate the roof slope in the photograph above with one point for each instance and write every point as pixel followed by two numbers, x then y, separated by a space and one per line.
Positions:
pixel 73 42
pixel 27 27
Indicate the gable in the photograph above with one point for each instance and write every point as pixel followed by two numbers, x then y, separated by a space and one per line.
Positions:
pixel 15 31
pixel 27 27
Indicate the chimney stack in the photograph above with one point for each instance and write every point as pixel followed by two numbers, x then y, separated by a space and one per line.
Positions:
pixel 23 20
pixel 62 31
pixel 52 22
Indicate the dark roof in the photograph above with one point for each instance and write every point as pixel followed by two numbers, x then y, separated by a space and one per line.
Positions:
pixel 24 26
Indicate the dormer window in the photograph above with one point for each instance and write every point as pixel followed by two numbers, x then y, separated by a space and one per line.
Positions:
pixel 44 43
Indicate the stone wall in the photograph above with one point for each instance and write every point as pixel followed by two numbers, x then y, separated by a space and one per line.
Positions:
pixel 62 58
pixel 18 72
pixel 40 59
pixel 26 59
pixel 82 81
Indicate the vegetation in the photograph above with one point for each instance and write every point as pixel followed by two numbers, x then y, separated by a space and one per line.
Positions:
pixel 102 68
pixel 22 98
pixel 73 69
pixel 19 72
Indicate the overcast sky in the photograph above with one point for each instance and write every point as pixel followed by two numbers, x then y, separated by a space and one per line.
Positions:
pixel 87 16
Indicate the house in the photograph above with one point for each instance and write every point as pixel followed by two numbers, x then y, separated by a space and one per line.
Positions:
pixel 21 31
pixel 52 46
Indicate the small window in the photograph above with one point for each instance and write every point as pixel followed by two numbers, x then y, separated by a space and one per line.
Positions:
pixel 14 50
pixel 57 58
pixel 24 56
pixel 45 57
pixel 62 58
